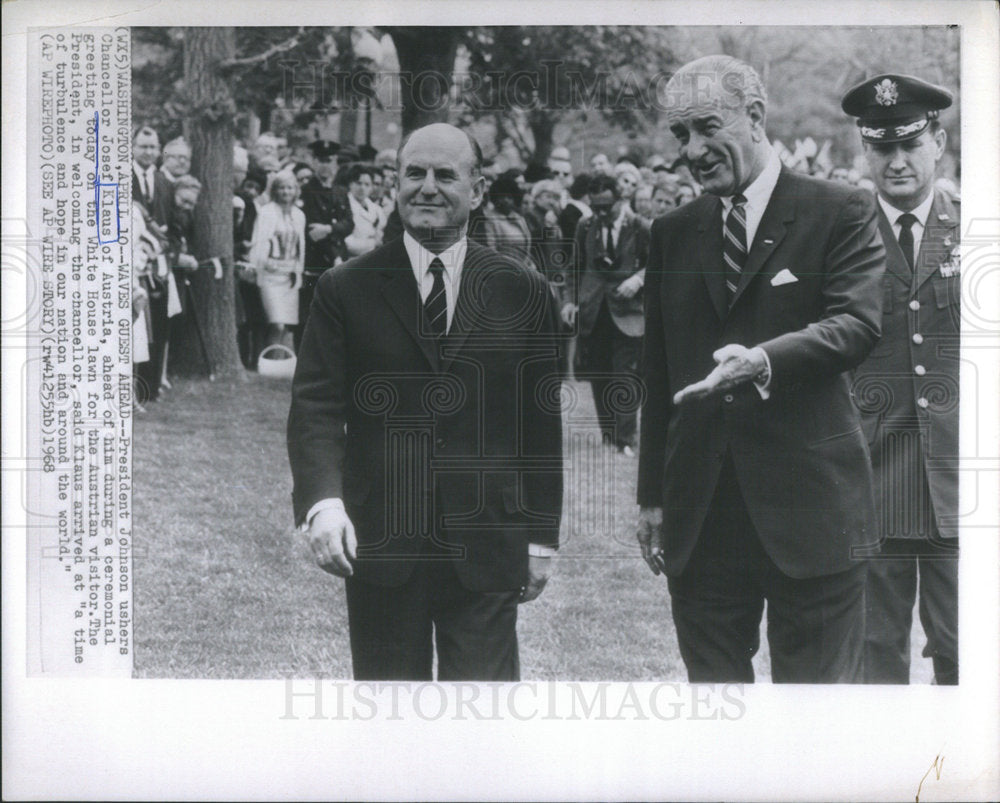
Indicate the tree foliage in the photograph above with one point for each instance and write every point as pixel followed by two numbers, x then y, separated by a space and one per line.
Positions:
pixel 282 69
pixel 529 78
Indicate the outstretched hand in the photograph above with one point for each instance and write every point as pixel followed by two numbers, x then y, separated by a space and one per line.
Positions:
pixel 735 365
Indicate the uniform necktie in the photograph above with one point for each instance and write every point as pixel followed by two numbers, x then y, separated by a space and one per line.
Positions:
pixel 734 245
pixel 906 222
pixel 436 305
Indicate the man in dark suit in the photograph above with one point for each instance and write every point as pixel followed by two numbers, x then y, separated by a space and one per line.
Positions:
pixel 149 186
pixel 576 207
pixel 603 298
pixel 907 389
pixel 425 432
pixel 328 222
pixel 754 476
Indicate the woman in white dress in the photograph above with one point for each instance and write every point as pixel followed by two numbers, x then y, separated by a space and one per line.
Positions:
pixel 277 256
pixel 369 219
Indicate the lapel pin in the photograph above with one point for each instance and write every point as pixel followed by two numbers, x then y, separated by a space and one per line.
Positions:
pixel 943 216
pixel 768 242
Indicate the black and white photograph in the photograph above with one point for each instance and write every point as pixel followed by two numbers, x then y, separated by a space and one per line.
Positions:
pixel 594 391
pixel 449 457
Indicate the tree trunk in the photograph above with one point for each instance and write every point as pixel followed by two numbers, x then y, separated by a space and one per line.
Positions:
pixel 426 62
pixel 542 127
pixel 211 125
pixel 348 124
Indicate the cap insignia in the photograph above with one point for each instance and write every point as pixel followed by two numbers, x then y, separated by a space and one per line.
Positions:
pixel 886 93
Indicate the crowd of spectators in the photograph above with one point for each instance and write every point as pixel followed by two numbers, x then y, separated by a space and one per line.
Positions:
pixel 296 215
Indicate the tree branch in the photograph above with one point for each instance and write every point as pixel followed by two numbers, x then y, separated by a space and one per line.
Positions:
pixel 265 55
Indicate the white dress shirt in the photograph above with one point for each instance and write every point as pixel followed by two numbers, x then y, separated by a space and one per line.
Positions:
pixel 453 258
pixel 921 213
pixel 758 196
pixel 146 178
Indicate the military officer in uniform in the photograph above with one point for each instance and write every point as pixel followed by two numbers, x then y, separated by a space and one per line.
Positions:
pixel 907 389
pixel 328 222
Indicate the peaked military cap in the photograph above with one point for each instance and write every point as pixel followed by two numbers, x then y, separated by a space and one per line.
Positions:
pixel 894 108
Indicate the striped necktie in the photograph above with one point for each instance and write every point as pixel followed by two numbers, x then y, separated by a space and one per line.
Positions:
pixel 734 245
pixel 436 304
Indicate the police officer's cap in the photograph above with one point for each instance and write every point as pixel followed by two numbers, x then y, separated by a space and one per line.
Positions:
pixel 349 153
pixel 894 108
pixel 324 148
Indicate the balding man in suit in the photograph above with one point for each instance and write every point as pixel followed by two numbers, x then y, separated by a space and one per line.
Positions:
pixel 425 432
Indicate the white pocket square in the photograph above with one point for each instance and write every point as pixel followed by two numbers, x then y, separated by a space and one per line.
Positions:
pixel 783 277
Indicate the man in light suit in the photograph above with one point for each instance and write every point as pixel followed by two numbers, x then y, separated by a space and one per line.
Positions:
pixel 425 432
pixel 754 476
pixel 603 298
pixel 907 389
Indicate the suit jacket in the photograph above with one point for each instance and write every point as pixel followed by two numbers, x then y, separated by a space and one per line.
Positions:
pixel 163 197
pixel 907 391
pixel 569 216
pixel 800 456
pixel 459 438
pixel 592 282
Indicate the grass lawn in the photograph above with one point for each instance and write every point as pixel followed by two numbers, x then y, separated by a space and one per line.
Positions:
pixel 225 588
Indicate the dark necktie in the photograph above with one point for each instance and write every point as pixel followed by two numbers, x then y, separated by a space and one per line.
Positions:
pixel 734 245
pixel 436 305
pixel 906 222
pixel 609 246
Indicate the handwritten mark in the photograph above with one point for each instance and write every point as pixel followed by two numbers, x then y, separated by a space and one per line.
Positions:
pixel 103 190
pixel 936 768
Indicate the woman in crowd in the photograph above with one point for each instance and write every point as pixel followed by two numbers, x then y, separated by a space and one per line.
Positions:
pixel 548 251
pixel 369 219
pixel 277 257
pixel 628 177
pixel 503 228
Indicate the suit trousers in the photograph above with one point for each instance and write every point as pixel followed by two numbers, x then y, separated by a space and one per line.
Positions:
pixel 394 629
pixel 611 363
pixel 148 373
pixel 815 626
pixel 890 594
